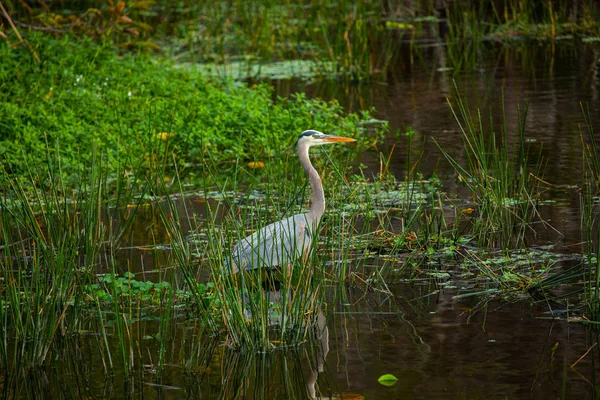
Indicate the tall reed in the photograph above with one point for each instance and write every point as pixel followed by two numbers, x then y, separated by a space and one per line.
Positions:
pixel 52 237
pixel 590 230
pixel 56 237
pixel 505 180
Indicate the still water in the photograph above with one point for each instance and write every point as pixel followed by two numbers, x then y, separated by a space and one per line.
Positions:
pixel 438 347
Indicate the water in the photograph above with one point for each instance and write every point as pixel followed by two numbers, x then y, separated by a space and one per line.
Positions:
pixel 459 348
pixel 437 346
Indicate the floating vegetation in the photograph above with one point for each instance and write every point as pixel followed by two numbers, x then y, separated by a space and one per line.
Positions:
pixel 387 380
pixel 301 69
pixel 144 293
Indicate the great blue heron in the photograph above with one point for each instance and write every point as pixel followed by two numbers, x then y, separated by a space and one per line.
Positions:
pixel 281 242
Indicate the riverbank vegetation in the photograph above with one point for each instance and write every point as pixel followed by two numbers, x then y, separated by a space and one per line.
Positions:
pixel 356 40
pixel 139 111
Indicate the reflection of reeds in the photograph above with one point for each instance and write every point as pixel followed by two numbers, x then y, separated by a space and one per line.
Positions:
pixel 290 373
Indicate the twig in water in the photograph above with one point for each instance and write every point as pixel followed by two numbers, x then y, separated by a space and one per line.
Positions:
pixel 585 354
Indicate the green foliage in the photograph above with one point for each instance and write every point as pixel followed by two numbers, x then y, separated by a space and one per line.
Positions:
pixel 136 108
pixel 387 380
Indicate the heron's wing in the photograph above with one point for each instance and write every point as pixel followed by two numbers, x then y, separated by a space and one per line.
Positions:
pixel 278 243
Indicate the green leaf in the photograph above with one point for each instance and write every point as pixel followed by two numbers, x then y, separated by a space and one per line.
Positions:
pixel 387 380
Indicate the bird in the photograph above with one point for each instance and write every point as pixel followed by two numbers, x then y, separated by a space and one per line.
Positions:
pixel 282 242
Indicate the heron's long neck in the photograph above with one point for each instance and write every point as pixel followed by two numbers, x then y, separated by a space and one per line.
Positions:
pixel 317 206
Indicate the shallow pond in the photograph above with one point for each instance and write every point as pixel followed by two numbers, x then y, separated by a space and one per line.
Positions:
pixel 438 346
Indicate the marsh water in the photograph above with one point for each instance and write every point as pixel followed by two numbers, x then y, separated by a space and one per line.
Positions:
pixel 438 346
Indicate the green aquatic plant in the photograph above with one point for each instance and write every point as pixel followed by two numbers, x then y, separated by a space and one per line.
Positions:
pixel 52 239
pixel 512 274
pixel 505 180
pixel 387 380
pixel 589 217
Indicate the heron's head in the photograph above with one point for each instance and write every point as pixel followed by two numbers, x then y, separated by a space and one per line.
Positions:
pixel 315 138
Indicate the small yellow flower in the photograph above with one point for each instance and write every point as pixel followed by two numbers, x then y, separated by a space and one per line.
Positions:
pixel 256 164
pixel 164 136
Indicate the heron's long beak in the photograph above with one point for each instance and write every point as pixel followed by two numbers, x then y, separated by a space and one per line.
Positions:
pixel 335 139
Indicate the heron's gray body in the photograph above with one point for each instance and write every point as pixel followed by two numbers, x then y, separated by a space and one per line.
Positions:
pixel 276 244
pixel 282 242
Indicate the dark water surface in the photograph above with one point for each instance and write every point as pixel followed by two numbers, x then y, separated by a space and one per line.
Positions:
pixel 438 347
